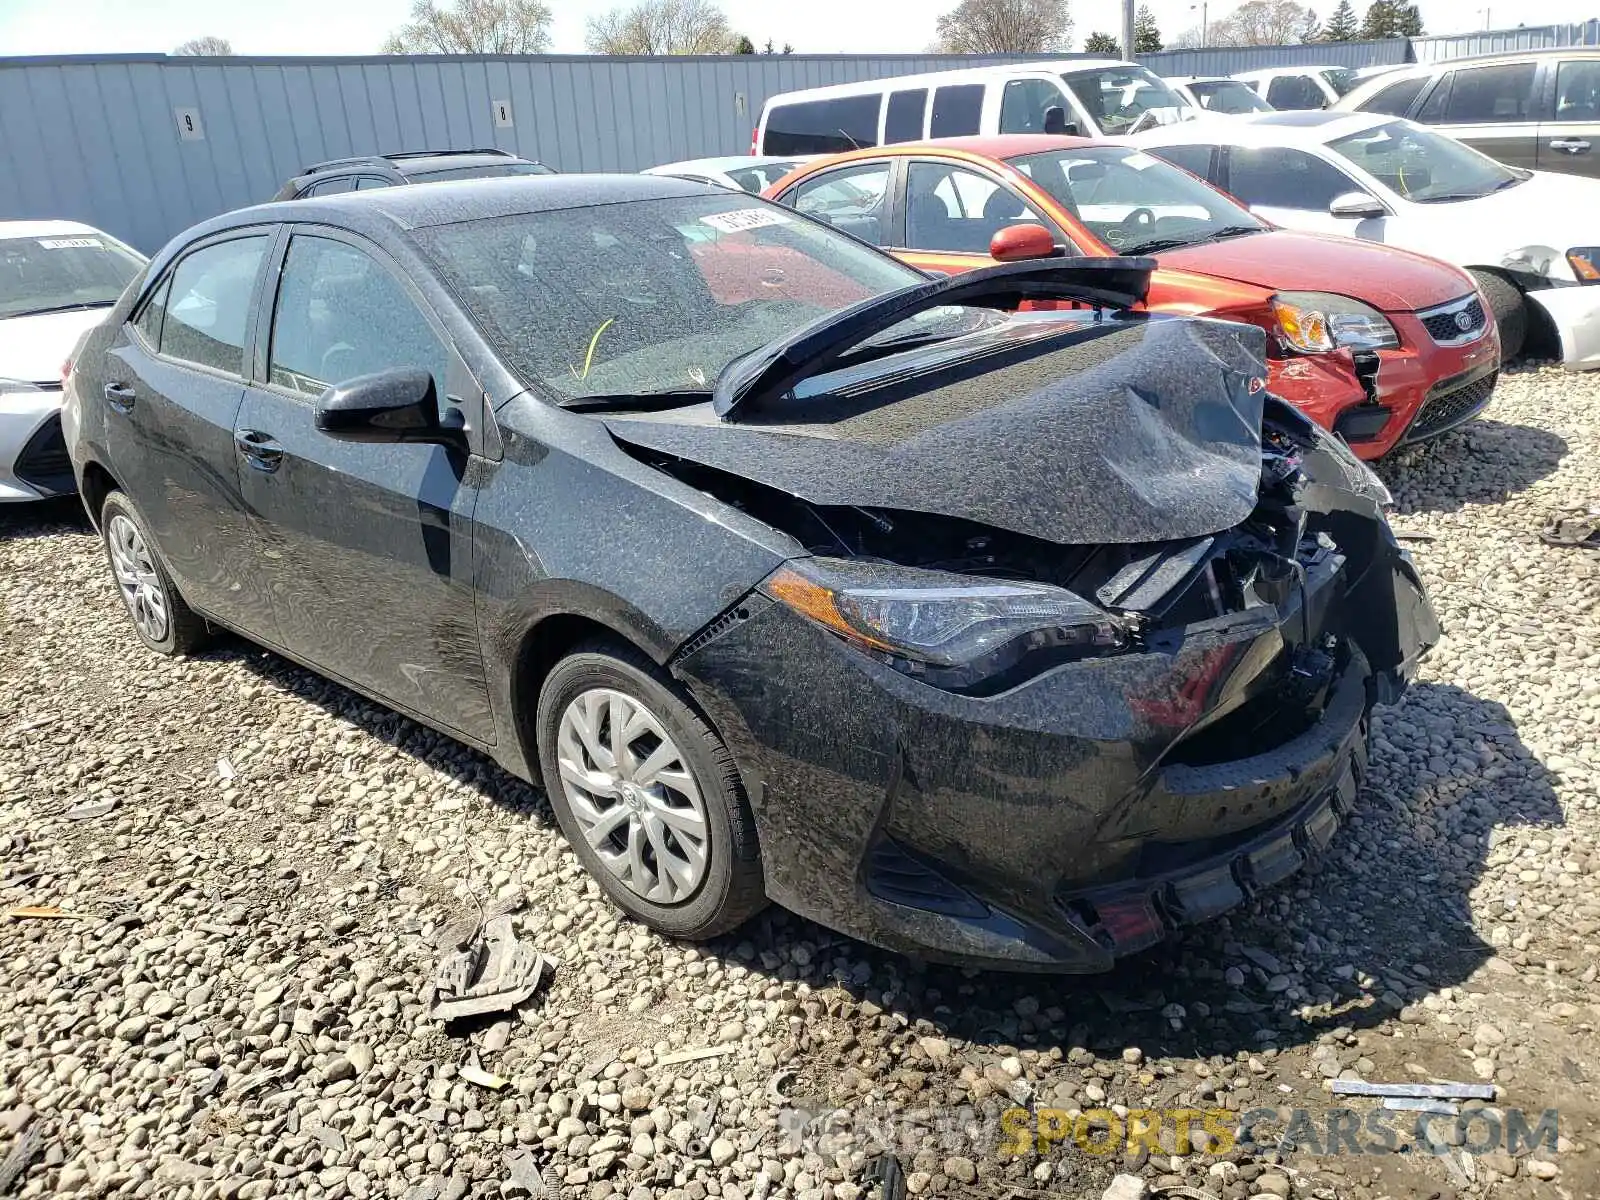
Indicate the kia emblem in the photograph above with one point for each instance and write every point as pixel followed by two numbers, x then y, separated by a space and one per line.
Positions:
pixel 1464 321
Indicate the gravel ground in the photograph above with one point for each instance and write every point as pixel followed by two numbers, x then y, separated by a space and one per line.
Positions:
pixel 259 862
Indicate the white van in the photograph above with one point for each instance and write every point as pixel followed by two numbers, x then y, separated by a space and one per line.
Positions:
pixel 1093 97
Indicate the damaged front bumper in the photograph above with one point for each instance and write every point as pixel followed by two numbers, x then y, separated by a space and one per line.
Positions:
pixel 1078 817
pixel 1574 314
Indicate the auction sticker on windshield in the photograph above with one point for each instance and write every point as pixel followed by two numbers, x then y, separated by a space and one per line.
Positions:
pixel 78 243
pixel 741 219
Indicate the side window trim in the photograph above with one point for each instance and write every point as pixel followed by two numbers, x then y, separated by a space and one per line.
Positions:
pixel 272 233
pixel 136 314
pixel 267 312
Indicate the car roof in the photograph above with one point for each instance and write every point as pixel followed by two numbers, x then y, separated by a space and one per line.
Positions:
pixel 894 83
pixel 728 162
pixel 1000 145
pixel 1295 69
pixel 34 229
pixel 382 210
pixel 1310 128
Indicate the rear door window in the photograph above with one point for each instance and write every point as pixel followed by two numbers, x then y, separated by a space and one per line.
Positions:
pixel 1024 103
pixel 1278 177
pixel 1491 95
pixel 851 199
pixel 903 121
pixel 957 110
pixel 1396 99
pixel 824 126
pixel 1578 91
pixel 209 310
pixel 958 211
pixel 1295 93
pixel 332 186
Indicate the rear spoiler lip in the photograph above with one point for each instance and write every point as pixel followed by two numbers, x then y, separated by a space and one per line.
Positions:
pixel 1110 283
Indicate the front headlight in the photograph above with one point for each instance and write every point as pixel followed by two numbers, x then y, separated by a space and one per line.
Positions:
pixel 1585 263
pixel 954 631
pixel 1319 322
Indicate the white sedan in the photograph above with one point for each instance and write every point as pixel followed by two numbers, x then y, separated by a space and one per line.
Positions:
pixel 57 278
pixel 752 173
pixel 1531 238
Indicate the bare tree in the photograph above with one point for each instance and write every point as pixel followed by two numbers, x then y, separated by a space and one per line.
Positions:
pixel 474 27
pixel 1262 23
pixel 662 27
pixel 1006 27
pixel 203 46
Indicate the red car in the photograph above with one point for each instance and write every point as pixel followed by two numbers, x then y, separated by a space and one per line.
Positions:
pixel 1383 346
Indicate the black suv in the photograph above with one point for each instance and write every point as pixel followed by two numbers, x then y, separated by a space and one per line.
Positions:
pixel 412 166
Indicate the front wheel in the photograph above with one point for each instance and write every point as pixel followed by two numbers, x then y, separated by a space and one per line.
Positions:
pixel 162 620
pixel 1510 308
pixel 647 794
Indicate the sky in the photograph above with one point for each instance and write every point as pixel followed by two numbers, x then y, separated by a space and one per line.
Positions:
pixel 817 26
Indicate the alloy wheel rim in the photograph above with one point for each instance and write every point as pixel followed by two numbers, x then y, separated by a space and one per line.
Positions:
pixel 136 577
pixel 633 795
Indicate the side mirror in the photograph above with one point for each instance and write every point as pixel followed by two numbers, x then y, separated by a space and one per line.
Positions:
pixel 1015 243
pixel 389 407
pixel 1357 206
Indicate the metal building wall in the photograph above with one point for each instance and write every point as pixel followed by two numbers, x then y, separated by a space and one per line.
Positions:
pixel 98 139
pixel 1506 41
pixel 1230 60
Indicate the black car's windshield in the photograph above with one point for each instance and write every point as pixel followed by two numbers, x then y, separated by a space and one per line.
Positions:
pixel 1227 96
pixel 1134 202
pixel 1422 165
pixel 1118 97
pixel 487 171
pixel 1341 79
pixel 61 271
pixel 653 296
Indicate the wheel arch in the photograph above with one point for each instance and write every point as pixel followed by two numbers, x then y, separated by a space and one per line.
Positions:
pixel 95 484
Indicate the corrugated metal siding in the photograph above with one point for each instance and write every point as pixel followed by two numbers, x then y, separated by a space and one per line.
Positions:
pixel 1506 41
pixel 1230 60
pixel 97 140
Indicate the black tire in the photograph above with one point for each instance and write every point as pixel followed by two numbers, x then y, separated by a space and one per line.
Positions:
pixel 184 629
pixel 731 891
pixel 1510 308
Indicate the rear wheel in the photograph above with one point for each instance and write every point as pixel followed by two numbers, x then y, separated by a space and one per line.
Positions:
pixel 162 620
pixel 647 793
pixel 1510 308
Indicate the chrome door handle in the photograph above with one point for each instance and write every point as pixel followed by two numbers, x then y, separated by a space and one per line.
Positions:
pixel 1570 145
pixel 258 449
pixel 119 396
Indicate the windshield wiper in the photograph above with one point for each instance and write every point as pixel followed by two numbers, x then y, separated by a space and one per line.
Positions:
pixel 1231 231
pixel 61 308
pixel 670 398
pixel 773 369
pixel 1155 246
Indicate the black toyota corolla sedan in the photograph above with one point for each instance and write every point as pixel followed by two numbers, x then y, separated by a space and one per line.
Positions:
pixel 1007 638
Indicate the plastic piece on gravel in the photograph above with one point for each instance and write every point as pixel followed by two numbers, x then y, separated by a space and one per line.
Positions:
pixel 1582 532
pixel 42 912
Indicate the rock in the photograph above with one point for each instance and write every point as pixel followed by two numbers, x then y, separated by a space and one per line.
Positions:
pixel 962 1170
pixel 1133 1056
pixel 1272 1183
pixel 723 1152
pixel 935 1048
pixel 339 1069
pixel 1126 1187
pixel 1542 1169
pixel 360 1058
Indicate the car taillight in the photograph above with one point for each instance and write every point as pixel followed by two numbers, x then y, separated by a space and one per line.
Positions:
pixel 755 138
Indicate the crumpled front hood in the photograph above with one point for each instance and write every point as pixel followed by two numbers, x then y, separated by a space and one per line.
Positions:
pixel 1132 430
pixel 1387 277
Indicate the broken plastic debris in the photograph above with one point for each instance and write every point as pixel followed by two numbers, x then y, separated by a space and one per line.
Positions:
pixel 683 1056
pixel 42 912
pixel 1417 1104
pixel 886 1171
pixel 522 1170
pixel 487 971
pixel 1426 1091
pixel 225 769
pixel 473 1073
